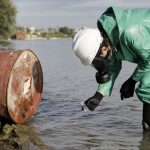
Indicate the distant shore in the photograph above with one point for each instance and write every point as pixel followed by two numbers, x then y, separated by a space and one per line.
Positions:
pixel 32 33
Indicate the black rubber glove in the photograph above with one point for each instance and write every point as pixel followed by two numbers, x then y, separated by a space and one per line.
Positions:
pixel 127 89
pixel 93 101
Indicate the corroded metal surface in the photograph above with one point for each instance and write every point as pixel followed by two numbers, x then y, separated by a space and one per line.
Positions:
pixel 21 84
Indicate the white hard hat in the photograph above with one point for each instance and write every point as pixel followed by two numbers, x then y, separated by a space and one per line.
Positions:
pixel 86 44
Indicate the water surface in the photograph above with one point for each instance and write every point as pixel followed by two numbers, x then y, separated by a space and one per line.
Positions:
pixel 59 122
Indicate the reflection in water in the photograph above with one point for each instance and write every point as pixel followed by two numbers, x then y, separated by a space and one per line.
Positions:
pixel 145 142
pixel 114 125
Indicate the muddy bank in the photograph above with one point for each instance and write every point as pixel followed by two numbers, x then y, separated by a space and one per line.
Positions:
pixel 20 137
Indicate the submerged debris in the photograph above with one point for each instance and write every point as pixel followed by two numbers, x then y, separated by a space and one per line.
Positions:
pixel 19 137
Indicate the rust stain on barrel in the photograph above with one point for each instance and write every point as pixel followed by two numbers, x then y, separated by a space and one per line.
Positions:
pixel 21 86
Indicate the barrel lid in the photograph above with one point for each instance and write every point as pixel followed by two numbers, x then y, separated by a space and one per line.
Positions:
pixel 24 87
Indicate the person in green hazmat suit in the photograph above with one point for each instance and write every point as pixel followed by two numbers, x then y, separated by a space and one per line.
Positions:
pixel 121 34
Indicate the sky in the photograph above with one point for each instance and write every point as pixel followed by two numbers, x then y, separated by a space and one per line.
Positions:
pixel 71 13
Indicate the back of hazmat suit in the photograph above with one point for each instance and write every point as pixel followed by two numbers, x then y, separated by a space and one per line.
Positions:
pixel 129 32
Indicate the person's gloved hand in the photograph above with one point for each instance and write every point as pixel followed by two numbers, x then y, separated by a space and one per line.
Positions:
pixel 93 101
pixel 127 89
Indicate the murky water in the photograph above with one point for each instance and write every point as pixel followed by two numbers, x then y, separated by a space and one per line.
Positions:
pixel 59 122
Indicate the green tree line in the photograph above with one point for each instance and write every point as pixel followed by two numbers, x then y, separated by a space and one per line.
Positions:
pixel 62 32
pixel 59 32
pixel 8 24
pixel 7 19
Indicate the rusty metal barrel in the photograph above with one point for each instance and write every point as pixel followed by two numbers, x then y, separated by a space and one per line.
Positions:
pixel 21 84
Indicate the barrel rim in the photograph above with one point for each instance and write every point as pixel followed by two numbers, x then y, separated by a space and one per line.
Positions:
pixel 41 80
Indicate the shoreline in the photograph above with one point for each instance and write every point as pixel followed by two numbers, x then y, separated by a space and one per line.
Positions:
pixel 39 39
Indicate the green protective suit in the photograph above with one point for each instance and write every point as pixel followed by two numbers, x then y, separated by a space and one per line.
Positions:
pixel 129 32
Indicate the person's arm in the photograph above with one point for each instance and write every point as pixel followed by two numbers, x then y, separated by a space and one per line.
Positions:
pixel 140 69
pixel 138 40
pixel 114 67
